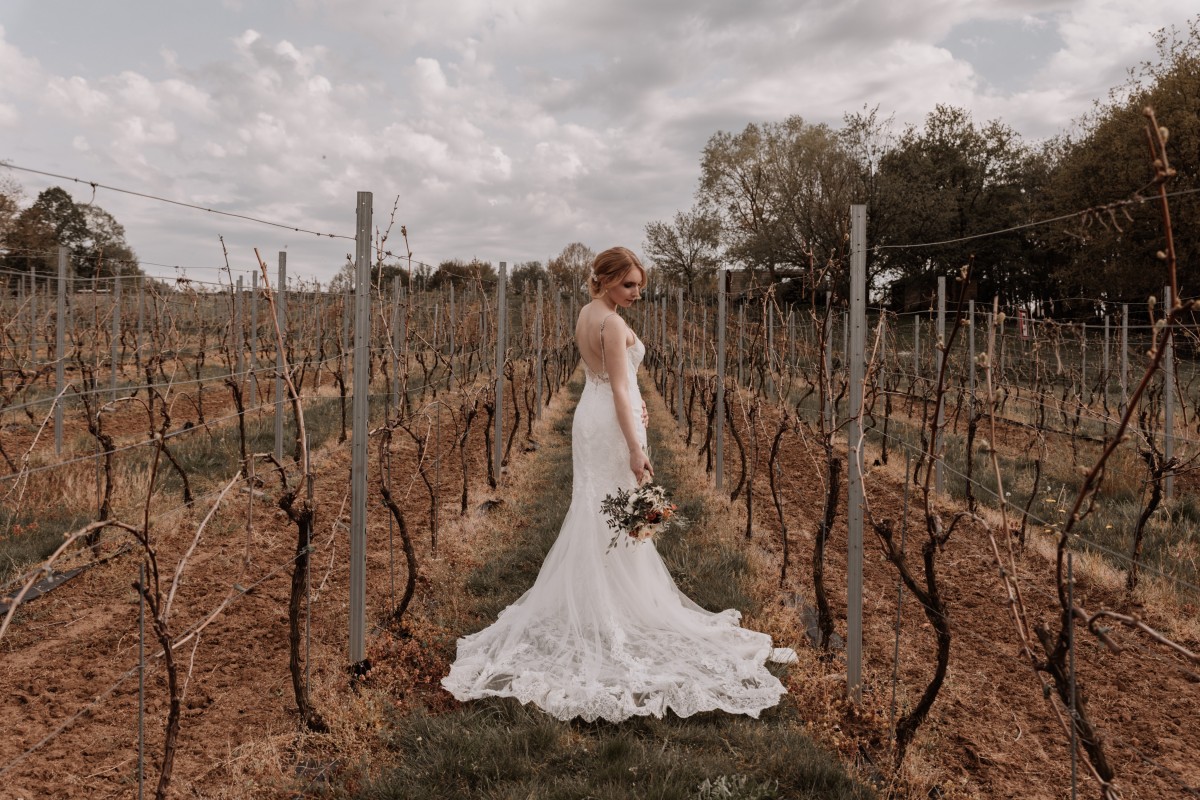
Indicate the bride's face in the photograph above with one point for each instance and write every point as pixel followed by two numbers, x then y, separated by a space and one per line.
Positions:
pixel 628 290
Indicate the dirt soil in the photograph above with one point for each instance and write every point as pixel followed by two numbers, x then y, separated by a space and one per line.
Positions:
pixel 70 683
pixel 990 733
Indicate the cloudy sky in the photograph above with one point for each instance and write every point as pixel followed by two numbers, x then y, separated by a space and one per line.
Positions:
pixel 506 129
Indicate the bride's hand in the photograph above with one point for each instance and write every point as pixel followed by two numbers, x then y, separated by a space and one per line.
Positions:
pixel 640 464
pixel 645 415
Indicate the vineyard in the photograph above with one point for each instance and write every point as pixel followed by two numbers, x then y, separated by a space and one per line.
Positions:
pixel 230 508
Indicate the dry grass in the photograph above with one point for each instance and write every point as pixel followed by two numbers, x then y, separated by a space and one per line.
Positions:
pixel 400 736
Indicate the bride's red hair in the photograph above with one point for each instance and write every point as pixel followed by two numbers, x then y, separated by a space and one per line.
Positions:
pixel 610 268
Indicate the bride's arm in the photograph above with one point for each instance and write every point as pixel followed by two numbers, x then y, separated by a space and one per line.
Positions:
pixel 615 364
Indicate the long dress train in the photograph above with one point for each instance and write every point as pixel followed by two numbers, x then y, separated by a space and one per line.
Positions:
pixel 608 634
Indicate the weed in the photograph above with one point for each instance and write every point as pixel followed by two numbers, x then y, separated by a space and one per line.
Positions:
pixel 498 748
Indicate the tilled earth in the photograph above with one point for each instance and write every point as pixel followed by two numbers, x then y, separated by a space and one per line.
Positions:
pixel 70 683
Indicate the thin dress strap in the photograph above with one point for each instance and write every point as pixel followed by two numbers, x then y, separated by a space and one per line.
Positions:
pixel 603 361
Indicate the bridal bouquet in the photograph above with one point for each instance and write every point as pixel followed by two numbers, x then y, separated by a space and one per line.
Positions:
pixel 639 513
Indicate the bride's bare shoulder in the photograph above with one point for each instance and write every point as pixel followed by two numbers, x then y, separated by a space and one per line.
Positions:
pixel 594 317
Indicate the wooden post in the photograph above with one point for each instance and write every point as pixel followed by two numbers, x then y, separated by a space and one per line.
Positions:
pixel 741 343
pixel 281 319
pixel 239 335
pixel 33 319
pixel 402 347
pixel 771 361
pixel 940 359
pixel 971 356
pixel 1168 366
pixel 854 462
pixel 396 289
pixel 916 348
pixel 827 390
pixel 358 449
pixel 141 321
pixel 60 349
pixel 501 341
pixel 115 345
pixel 1124 348
pixel 252 350
pixel 537 336
pixel 679 357
pixel 791 334
pixel 719 433
pixel 1107 367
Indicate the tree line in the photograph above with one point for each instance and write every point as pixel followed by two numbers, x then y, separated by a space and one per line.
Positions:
pixel 773 199
pixel 30 236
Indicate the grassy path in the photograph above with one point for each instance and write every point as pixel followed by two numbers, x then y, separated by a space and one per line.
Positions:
pixel 501 749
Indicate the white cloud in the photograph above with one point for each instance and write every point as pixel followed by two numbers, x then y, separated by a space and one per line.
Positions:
pixel 9 116
pixel 21 73
pixel 75 98
pixel 511 127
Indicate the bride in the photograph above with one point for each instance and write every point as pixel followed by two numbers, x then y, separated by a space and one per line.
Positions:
pixel 606 633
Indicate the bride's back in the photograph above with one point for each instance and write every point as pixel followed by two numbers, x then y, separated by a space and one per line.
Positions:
pixel 588 334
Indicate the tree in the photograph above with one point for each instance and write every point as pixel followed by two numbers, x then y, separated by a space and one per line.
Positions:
pixel 460 273
pixel 686 248
pixel 571 267
pixel 93 237
pixel 948 181
pixel 735 185
pixel 1109 252
pixel 525 277
pixel 867 137
pixel 104 251
pixel 11 194
pixel 52 220
pixel 383 276
pixel 782 192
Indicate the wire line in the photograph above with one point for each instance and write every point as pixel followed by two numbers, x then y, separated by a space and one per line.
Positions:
pixel 95 185
pixel 1130 201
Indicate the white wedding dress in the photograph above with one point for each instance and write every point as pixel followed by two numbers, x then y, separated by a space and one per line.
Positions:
pixel 606 634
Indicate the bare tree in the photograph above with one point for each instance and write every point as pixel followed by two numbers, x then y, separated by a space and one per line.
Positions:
pixel 570 267
pixel 685 249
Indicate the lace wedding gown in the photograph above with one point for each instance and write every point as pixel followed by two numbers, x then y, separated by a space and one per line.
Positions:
pixel 608 634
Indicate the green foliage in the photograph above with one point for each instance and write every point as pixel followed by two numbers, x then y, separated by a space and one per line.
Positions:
pixel 501 749
pixel 94 239
pixel 955 178
pixel 1111 253
pixel 1170 543
pixel 383 277
pixel 29 538
pixel 494 582
pixel 524 277
pixel 782 192
pixel 214 453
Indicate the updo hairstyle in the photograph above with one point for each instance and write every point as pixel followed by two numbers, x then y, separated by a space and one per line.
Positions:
pixel 610 268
